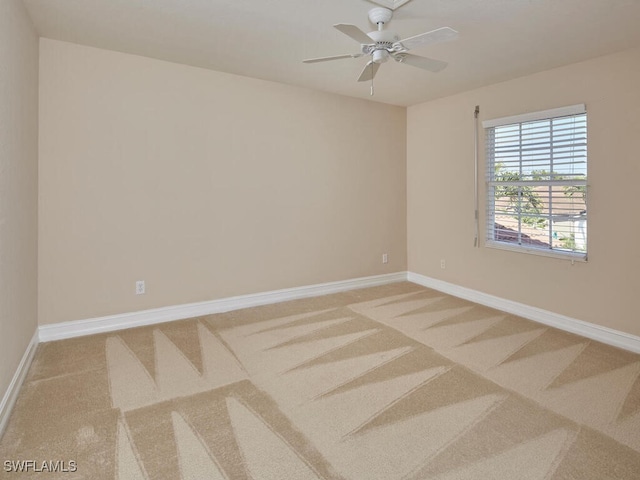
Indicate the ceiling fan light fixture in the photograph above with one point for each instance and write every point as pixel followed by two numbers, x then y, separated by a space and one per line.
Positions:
pixel 380 56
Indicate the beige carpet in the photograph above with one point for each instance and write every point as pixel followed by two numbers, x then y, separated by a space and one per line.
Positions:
pixel 394 382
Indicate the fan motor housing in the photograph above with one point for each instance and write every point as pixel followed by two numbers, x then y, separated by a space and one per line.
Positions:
pixel 383 36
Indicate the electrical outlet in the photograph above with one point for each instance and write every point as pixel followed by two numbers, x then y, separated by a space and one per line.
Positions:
pixel 140 287
pixel 442 264
pixel 385 258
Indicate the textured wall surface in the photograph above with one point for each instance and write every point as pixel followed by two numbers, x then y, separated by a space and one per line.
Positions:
pixel 440 187
pixel 18 186
pixel 205 185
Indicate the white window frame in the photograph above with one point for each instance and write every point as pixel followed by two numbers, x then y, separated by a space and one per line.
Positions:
pixel 489 127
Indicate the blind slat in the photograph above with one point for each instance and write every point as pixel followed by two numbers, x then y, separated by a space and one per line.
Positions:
pixel 542 183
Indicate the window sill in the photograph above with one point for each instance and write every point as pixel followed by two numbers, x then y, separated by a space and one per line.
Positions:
pixel 572 257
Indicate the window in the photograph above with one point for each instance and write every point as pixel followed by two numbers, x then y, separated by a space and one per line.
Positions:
pixel 537 182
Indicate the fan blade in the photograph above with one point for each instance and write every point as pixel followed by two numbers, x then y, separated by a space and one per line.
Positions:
pixel 435 36
pixel 355 33
pixel 335 57
pixel 420 62
pixel 369 71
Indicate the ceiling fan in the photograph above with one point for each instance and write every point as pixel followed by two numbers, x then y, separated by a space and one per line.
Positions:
pixel 382 44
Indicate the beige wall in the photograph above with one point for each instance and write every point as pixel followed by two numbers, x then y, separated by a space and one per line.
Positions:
pixel 205 185
pixel 440 193
pixel 18 185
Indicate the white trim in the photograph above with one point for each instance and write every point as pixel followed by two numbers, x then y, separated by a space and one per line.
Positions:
pixel 59 331
pixel 11 395
pixel 543 252
pixel 568 324
pixel 110 323
pixel 532 116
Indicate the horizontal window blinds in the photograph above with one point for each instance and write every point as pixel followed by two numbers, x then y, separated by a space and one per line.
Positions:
pixel 537 180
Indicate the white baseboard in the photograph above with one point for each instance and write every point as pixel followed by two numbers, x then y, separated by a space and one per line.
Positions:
pixel 59 331
pixel 562 322
pixel 110 323
pixel 11 395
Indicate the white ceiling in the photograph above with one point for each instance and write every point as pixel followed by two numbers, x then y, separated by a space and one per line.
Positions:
pixel 268 39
